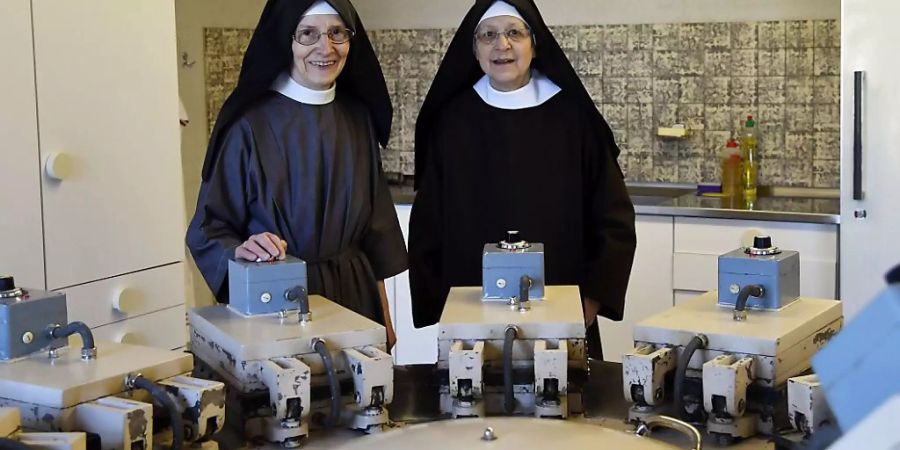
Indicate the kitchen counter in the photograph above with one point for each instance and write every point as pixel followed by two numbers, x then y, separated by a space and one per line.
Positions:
pixel 806 205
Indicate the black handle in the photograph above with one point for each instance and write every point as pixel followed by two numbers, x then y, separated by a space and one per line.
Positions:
pixel 857 135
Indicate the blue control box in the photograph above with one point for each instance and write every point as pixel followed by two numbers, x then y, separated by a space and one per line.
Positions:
pixel 266 287
pixel 503 268
pixel 778 274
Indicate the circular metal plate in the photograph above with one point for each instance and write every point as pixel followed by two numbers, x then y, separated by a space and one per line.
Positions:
pixel 508 433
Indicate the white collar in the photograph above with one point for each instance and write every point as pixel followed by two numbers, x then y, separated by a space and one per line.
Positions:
pixel 538 90
pixel 286 86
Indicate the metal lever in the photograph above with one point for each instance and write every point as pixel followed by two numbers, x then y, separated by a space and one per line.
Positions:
pixel 645 427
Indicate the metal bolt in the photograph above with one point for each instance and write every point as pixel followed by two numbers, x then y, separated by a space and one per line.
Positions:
pixel 488 435
pixel 265 297
pixel 734 289
pixel 501 283
pixel 53 353
pixel 860 214
pixel 28 337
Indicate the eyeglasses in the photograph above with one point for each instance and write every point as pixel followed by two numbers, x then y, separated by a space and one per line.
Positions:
pixel 488 37
pixel 311 35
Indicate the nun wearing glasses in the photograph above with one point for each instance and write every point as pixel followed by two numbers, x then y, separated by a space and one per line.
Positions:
pixel 293 165
pixel 509 139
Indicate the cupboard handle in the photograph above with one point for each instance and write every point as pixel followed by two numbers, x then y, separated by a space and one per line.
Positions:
pixel 127 300
pixel 857 134
pixel 59 166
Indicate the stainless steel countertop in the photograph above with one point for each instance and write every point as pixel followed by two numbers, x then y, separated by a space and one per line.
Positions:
pixel 783 204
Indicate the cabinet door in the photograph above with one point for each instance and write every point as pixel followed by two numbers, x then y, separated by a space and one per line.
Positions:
pixel 107 90
pixel 21 232
pixel 649 288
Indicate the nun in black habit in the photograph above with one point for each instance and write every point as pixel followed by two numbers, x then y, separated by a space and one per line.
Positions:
pixel 509 139
pixel 293 164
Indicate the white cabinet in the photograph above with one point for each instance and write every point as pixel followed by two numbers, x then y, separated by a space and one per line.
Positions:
pixel 107 99
pixel 21 234
pixel 699 242
pixel 92 192
pixel 649 287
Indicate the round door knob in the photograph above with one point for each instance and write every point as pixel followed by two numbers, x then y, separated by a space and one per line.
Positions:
pixel 127 337
pixel 59 166
pixel 127 300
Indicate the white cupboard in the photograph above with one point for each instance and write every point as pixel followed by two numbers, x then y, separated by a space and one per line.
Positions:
pixel 93 198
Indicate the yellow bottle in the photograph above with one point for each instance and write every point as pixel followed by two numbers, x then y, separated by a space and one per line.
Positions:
pixel 750 163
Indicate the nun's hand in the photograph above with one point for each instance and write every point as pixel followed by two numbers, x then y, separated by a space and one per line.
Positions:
pixel 591 309
pixel 262 247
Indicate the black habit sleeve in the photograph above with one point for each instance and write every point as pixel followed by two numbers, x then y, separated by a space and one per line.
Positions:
pixel 222 209
pixel 609 234
pixel 383 241
pixel 426 232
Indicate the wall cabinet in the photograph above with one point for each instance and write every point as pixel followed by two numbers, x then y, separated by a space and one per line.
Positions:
pixel 93 197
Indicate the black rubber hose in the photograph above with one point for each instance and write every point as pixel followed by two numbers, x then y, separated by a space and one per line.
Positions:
pixel 509 400
pixel 12 444
pixel 162 397
pixel 750 290
pixel 334 386
pixel 87 338
pixel 304 302
pixel 697 342
pixel 524 286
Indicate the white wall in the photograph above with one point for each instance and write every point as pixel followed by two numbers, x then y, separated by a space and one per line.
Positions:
pixel 380 14
pixel 191 17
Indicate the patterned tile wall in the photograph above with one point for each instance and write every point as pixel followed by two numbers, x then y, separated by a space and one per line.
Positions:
pixel 709 76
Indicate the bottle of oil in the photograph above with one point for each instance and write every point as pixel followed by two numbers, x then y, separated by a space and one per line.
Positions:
pixel 750 163
pixel 732 184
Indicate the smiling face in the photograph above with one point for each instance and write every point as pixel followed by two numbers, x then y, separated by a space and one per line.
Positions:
pixel 506 61
pixel 316 66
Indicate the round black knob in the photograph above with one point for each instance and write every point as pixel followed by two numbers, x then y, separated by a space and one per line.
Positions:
pixel 512 236
pixel 762 242
pixel 7 283
pixel 293 294
pixel 893 277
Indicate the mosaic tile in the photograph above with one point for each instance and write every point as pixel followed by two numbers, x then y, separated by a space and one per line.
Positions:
pixel 717 89
pixel 591 38
pixel 798 117
pixel 743 89
pixel 799 61
pixel 827 34
pixel 798 90
pixel 827 61
pixel 665 37
pixel 771 35
pixel 827 145
pixel 692 36
pixel 826 174
pixel 640 90
pixel 771 62
pixel 616 38
pixel 718 63
pixel 799 144
pixel 771 89
pixel 640 37
pixel 827 117
pixel 743 35
pixel 827 89
pixel 718 36
pixel 799 34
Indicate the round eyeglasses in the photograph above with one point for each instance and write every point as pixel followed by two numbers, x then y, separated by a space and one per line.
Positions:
pixel 488 37
pixel 311 35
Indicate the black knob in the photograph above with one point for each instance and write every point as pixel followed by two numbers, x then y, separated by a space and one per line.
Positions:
pixel 762 242
pixel 7 283
pixel 893 277
pixel 512 236
pixel 293 294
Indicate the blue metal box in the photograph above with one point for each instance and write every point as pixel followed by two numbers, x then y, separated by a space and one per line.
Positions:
pixel 501 270
pixel 25 320
pixel 266 287
pixel 778 274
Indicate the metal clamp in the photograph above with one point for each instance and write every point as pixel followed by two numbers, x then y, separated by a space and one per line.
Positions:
pixel 646 426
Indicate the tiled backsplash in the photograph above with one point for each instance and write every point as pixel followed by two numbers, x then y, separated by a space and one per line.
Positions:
pixel 709 76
